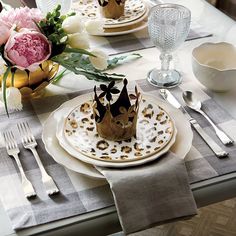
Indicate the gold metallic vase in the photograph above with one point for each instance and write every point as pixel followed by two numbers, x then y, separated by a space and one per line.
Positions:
pixel 32 85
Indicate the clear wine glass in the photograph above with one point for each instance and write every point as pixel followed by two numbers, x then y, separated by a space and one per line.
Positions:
pixel 168 26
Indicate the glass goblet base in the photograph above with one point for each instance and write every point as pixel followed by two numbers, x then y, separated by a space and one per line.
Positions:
pixel 164 79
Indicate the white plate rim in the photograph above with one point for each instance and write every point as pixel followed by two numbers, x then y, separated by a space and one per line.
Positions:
pixel 140 27
pixel 60 155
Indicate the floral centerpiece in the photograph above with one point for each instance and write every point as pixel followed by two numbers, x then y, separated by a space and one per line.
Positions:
pixel 28 40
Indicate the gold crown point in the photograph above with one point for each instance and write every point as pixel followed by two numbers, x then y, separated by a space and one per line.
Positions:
pixel 116 121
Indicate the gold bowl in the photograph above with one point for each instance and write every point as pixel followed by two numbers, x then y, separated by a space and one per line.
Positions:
pixel 32 85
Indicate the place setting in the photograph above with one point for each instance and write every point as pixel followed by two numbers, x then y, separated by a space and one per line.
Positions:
pixel 136 144
pixel 97 146
pixel 85 145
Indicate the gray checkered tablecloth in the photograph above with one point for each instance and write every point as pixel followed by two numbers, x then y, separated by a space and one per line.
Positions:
pixel 201 163
pixel 81 194
pixel 78 194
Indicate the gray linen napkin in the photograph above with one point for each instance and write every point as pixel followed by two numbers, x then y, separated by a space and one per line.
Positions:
pixel 152 193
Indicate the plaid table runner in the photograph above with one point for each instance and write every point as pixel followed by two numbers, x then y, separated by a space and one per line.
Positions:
pixel 81 194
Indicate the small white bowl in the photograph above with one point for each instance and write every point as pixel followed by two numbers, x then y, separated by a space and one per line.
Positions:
pixel 214 65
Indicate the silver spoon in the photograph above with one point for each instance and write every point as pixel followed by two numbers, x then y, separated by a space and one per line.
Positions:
pixel 196 105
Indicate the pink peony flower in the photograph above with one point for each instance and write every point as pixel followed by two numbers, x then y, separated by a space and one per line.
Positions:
pixel 22 17
pixel 27 49
pixel 5 34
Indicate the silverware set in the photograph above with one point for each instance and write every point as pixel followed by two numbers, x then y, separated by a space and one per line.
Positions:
pixel 29 142
pixel 195 105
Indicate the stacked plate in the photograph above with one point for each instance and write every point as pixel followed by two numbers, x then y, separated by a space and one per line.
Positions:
pixel 134 19
pixel 70 136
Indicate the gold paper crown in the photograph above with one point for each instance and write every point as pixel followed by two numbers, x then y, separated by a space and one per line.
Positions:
pixel 103 3
pixel 112 8
pixel 116 121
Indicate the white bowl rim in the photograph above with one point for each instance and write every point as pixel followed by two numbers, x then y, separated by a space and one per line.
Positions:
pixel 208 66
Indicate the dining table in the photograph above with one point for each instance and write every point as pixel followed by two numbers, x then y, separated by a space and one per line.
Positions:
pixel 219 187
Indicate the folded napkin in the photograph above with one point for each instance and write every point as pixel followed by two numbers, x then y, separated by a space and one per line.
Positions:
pixel 152 193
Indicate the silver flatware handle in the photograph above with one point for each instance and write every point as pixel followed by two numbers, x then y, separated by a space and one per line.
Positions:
pixel 221 135
pixel 219 152
pixel 26 184
pixel 47 180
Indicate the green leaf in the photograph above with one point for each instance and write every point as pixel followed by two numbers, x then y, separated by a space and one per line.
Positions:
pixel 58 77
pixel 112 63
pixel 81 51
pixel 77 61
pixel 80 64
pixel 4 80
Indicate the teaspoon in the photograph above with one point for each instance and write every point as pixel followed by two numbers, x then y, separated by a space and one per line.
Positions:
pixel 196 105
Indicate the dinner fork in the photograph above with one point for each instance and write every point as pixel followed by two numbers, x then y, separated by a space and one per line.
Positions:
pixel 30 143
pixel 13 150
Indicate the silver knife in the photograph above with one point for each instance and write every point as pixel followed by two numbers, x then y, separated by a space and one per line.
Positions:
pixel 219 152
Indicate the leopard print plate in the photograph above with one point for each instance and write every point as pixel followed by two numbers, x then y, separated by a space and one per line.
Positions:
pixel 134 10
pixel 155 129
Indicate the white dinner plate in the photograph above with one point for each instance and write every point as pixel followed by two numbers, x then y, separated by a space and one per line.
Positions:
pixel 155 129
pixel 73 150
pixel 181 147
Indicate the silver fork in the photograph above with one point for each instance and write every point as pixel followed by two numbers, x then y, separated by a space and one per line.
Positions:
pixel 13 150
pixel 30 143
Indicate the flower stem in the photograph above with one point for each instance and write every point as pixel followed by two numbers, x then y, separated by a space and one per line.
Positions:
pixel 13 70
pixel 4 80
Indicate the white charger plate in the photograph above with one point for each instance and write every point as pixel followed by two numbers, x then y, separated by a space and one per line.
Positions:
pixel 181 147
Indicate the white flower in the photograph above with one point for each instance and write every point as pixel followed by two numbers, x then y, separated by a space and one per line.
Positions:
pixel 100 61
pixel 94 27
pixel 79 40
pixel 13 97
pixel 2 66
pixel 73 24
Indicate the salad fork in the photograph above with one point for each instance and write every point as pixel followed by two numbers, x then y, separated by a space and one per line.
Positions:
pixel 30 143
pixel 13 150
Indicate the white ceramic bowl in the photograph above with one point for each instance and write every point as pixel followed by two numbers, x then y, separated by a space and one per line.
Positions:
pixel 214 65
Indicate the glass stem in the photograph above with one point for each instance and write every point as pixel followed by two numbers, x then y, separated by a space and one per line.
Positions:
pixel 165 61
